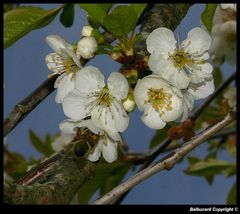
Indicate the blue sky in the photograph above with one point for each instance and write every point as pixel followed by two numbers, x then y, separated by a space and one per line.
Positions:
pixel 25 68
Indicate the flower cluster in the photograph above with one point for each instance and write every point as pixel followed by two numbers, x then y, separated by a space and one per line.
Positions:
pixel 84 94
pixel 180 75
pixel 224 32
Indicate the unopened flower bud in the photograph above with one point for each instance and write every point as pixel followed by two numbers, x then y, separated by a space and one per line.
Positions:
pixel 87 30
pixel 129 103
pixel 87 46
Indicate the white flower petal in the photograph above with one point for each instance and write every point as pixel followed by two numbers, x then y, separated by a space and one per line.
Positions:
pixel 199 72
pixel 74 105
pixel 96 153
pixel 58 44
pixel 68 126
pixel 177 109
pixel 118 85
pixel 91 126
pixel 109 151
pixel 64 85
pixel 120 117
pixel 160 65
pixel 54 62
pixel 202 90
pixel 114 135
pixel 161 41
pixel 188 103
pixel 179 79
pixel 197 42
pixel 86 48
pixel 140 94
pixel 89 79
pixel 151 118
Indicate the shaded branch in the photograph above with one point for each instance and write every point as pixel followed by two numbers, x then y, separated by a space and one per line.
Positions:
pixel 167 163
pixel 55 181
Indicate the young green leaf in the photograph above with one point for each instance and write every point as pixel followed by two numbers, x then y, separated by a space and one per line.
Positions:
pixel 138 8
pixel 207 168
pixel 41 146
pixel 232 195
pixel 121 21
pixel 67 15
pixel 96 12
pixel 20 21
pixel 207 16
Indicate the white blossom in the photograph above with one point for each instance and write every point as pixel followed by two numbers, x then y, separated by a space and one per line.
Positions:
pixel 224 35
pixel 103 102
pixel 180 63
pixel 64 62
pixel 229 6
pixel 87 30
pixel 230 95
pixel 106 145
pixel 160 101
pixel 87 46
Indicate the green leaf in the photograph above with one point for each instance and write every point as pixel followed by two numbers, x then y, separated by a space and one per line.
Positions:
pixel 159 136
pixel 121 21
pixel 67 15
pixel 107 176
pixel 41 146
pixel 20 21
pixel 207 16
pixel 207 168
pixel 138 8
pixel 7 7
pixel 232 195
pixel 96 12
pixel 193 159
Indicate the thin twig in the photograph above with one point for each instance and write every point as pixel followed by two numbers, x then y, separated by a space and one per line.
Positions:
pixel 168 163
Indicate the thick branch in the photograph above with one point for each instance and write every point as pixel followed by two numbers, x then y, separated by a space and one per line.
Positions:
pixel 161 15
pixel 55 181
pixel 23 108
pixel 167 163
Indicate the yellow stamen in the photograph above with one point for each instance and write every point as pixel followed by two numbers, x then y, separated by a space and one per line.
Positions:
pixel 160 100
pixel 104 98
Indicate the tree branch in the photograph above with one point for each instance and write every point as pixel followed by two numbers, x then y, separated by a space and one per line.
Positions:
pixel 167 163
pixel 55 181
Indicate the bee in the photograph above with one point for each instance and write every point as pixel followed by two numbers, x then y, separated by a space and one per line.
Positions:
pixel 84 140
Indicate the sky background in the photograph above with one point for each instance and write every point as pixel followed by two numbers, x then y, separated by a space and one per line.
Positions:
pixel 25 69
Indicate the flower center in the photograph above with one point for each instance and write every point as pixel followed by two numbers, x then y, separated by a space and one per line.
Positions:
pixel 104 98
pixel 181 59
pixel 70 66
pixel 160 100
